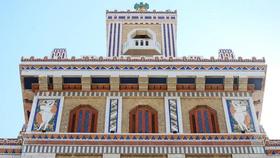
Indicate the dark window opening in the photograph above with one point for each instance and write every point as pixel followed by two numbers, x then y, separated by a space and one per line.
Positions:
pixel 153 80
pixel 28 81
pixel 72 80
pixel 236 80
pixel 185 80
pixel 28 114
pixel 147 43
pixel 141 37
pixel 97 80
pixel 214 81
pixel 126 80
pixel 50 80
pixel 257 82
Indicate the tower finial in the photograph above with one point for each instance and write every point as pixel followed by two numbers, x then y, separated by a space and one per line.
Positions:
pixel 141 7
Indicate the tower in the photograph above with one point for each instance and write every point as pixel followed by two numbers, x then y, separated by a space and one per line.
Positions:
pixel 141 32
pixel 141 100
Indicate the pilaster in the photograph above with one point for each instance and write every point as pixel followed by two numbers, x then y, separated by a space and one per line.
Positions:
pixel 143 83
pixel 200 83
pixel 43 83
pixel 114 83
pixel 57 83
pixel 171 83
pixel 228 83
pixel 86 83
pixel 243 83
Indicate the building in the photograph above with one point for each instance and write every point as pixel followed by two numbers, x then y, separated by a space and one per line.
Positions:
pixel 141 100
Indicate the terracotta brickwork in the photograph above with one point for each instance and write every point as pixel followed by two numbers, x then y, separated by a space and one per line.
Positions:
pixel 131 102
pixel 70 103
pixel 215 103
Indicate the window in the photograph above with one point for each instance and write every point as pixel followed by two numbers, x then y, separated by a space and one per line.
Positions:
pixel 83 119
pixel 257 82
pixel 236 80
pixel 185 80
pixel 203 119
pixel 72 80
pixel 28 81
pixel 97 80
pixel 128 80
pixel 153 80
pixel 50 82
pixel 215 80
pixel 143 119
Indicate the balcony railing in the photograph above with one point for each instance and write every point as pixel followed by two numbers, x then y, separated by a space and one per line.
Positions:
pixel 142 44
pixel 35 87
pixel 157 87
pixel 186 87
pixel 72 86
pixel 251 87
pixel 129 87
pixel 214 87
pixel 100 87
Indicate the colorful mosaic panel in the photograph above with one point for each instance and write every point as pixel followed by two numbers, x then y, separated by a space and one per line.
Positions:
pixel 240 115
pixel 46 113
pixel 173 115
pixel 113 118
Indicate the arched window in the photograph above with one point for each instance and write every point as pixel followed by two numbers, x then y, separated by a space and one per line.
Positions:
pixel 83 119
pixel 143 119
pixel 203 119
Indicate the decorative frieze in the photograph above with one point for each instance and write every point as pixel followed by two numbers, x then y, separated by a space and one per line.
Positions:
pixel 113 115
pixel 173 115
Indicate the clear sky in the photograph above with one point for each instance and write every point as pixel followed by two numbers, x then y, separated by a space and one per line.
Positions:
pixel 35 27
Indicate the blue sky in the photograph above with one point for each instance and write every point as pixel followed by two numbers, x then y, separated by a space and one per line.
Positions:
pixel 35 27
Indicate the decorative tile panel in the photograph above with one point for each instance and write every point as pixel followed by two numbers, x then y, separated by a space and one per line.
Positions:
pixel 113 115
pixel 173 115
pixel 240 115
pixel 46 114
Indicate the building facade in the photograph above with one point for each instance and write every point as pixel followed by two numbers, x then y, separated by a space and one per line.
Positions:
pixel 141 100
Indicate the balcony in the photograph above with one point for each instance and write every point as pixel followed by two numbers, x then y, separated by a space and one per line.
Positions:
pixel 214 87
pixel 72 86
pixel 141 47
pixel 186 87
pixel 157 87
pixel 251 87
pixel 129 87
pixel 35 87
pixel 100 87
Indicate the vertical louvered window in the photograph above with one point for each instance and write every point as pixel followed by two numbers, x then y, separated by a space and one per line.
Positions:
pixel 83 119
pixel 143 119
pixel 203 119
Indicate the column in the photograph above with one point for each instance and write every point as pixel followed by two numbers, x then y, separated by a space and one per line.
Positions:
pixel 114 83
pixel 43 83
pixel 57 83
pixel 143 83
pixel 200 83
pixel 228 83
pixel 171 83
pixel 86 83
pixel 243 83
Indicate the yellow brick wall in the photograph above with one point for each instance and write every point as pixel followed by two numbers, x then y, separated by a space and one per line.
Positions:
pixel 209 156
pixel 215 103
pixel 99 103
pixel 131 102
